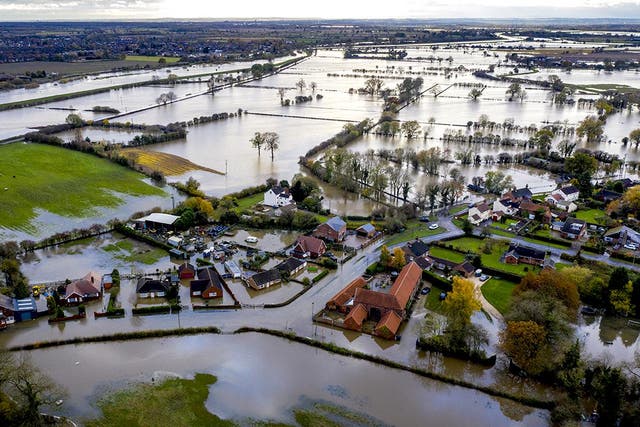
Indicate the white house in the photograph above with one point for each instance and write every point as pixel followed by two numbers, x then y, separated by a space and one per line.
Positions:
pixel 507 206
pixel 277 196
pixel 479 213
pixel 567 206
pixel 565 194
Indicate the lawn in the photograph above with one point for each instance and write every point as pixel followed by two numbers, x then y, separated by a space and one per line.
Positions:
pixel 250 201
pixel 447 254
pixel 432 301
pixel 413 230
pixel 498 292
pixel 456 209
pixel 61 181
pixel 140 58
pixel 176 401
pixel 127 251
pixel 466 244
pixel 592 216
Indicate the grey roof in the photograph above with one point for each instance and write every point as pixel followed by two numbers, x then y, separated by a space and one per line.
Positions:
pixel 571 189
pixel 265 277
pixel 147 284
pixel 418 247
pixel 289 265
pixel 6 302
pixel 25 304
pixel 159 218
pixel 367 228
pixel 336 223
pixel 524 193
pixel 573 225
pixel 524 251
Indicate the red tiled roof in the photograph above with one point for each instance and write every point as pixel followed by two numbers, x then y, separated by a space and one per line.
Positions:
pixel 342 297
pixel 406 283
pixel 355 317
pixel 311 244
pixel 389 324
pixel 376 299
pixel 89 284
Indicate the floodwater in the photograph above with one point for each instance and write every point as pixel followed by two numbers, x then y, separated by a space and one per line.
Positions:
pixel 275 376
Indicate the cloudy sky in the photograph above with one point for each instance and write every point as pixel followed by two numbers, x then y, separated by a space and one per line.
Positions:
pixel 330 9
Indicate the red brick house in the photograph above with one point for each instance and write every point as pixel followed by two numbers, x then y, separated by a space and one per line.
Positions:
pixel 208 285
pixel 186 271
pixel 333 230
pixel 523 255
pixel 309 246
pixel 356 318
pixel 343 300
pixel 86 289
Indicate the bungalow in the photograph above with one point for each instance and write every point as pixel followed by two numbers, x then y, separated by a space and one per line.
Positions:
pixel 277 196
pixel 208 285
pixel 343 300
pixel 566 206
pixel 479 214
pixel 309 246
pixel 291 266
pixel 465 269
pixel 573 229
pixel 415 248
pixel 186 271
pixel 517 254
pixel 522 194
pixel 264 279
pixel 151 288
pixel 366 230
pixel 333 230
pixel 424 262
pixel 86 289
pixel 622 235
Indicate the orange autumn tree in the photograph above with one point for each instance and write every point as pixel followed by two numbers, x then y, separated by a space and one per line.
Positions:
pixel 525 343
pixel 553 284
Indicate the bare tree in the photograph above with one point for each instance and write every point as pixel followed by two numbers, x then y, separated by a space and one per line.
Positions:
pixel 258 141
pixel 282 91
pixel 313 86
pixel 272 142
pixel 301 84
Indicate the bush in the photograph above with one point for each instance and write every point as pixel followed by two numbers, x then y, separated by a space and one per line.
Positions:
pixel 320 276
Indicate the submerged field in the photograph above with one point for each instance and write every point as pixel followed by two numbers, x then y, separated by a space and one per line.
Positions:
pixel 165 163
pixel 63 182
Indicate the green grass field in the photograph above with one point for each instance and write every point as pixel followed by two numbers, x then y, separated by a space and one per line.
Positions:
pixel 169 59
pixel 127 251
pixel 432 301
pixel 593 216
pixel 447 254
pixel 413 230
pixel 498 292
pixel 60 181
pixel 177 402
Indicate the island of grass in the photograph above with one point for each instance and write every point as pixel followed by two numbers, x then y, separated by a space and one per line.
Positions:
pixel 62 182
pixel 181 402
pixel 498 293
pixel 156 59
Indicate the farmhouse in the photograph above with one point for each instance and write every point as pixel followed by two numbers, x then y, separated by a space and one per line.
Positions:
pixel 309 246
pixel 343 300
pixel 517 254
pixel 333 230
pixel 264 279
pixel 151 288
pixel 480 213
pixel 277 197
pixel 208 285
pixel 86 289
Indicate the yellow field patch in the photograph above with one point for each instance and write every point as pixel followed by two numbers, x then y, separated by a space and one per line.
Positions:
pixel 167 164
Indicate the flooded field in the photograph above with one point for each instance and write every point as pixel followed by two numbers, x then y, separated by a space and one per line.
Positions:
pixel 276 376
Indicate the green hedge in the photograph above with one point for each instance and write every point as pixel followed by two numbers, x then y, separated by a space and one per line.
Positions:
pixel 157 309
pixel 320 276
pixel 549 240
pixel 437 280
pixel 624 257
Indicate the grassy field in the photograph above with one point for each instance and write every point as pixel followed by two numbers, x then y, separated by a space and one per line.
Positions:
pixel 68 68
pixel 413 230
pixel 250 201
pixel 139 58
pixel 165 163
pixel 432 301
pixel 447 254
pixel 498 293
pixel 60 181
pixel 176 402
pixel 127 251
pixel 593 216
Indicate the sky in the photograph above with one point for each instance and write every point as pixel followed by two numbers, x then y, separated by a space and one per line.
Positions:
pixel 32 10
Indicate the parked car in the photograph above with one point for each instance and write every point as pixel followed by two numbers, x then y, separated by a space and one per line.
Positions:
pixel 434 226
pixel 251 239
pixel 424 218
pixel 631 246
pixel 331 256
pixel 425 291
pixel 483 278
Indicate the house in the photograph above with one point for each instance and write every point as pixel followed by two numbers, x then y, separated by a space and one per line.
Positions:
pixel 566 206
pixel 264 279
pixel 531 210
pixel 343 300
pixel 479 214
pixel 291 266
pixel 573 229
pixel 151 288
pixel 569 193
pixel 507 206
pixel 333 230
pixel 356 318
pixel 465 269
pixel 415 248
pixel 522 194
pixel 208 285
pixel 517 254
pixel 309 246
pixel 424 262
pixel 366 230
pixel 86 289
pixel 157 221
pixel 622 235
pixel 277 196
pixel 186 271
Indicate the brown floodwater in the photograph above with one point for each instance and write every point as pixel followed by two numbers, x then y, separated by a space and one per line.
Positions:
pixel 275 376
